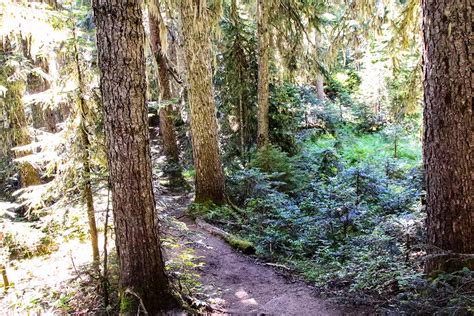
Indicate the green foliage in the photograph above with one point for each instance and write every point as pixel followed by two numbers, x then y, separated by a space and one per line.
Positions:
pixel 126 304
pixel 29 241
pixel 285 116
pixel 249 183
pixel 447 294
pixel 353 221
pixel 346 80
pixel 8 182
pixel 182 267
pixel 366 120
pixel 274 161
pixel 236 85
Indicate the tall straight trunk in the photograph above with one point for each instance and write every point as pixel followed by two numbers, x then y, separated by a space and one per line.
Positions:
pixel 120 40
pixel 263 72
pixel 320 87
pixel 85 159
pixel 449 133
pixel 167 120
pixel 234 15
pixel 319 76
pixel 210 184
pixel 13 113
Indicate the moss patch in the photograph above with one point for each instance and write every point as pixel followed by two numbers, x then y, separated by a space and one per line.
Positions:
pixel 241 244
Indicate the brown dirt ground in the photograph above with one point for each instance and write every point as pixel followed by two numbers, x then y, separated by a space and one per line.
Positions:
pixel 239 284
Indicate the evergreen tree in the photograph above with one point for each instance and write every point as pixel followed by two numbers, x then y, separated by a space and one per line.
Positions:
pixel 210 185
pixel 166 112
pixel 263 71
pixel 120 40
pixel 449 135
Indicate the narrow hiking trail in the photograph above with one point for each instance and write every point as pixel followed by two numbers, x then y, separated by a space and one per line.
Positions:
pixel 235 283
pixel 239 284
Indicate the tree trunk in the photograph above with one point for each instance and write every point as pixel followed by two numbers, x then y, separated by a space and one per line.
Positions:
pixel 449 134
pixel 234 16
pixel 85 159
pixel 167 120
pixel 120 40
pixel 319 76
pixel 13 113
pixel 263 72
pixel 210 184
pixel 320 87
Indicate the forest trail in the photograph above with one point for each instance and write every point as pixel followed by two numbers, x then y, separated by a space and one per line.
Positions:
pixel 238 284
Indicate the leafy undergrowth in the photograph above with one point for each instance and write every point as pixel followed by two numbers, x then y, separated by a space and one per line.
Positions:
pixel 346 215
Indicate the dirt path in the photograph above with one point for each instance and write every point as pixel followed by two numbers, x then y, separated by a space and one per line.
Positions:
pixel 238 284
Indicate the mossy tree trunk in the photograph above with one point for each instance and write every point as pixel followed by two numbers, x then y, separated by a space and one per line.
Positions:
pixel 449 133
pixel 210 185
pixel 120 40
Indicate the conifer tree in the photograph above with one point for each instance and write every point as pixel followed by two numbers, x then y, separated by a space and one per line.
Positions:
pixel 120 40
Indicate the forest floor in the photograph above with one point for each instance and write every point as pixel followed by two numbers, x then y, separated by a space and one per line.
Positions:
pixel 230 282
pixel 238 284
pixel 214 276
pixel 223 280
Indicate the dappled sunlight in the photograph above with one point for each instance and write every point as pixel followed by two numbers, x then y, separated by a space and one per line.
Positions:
pixel 287 157
pixel 45 278
pixel 245 298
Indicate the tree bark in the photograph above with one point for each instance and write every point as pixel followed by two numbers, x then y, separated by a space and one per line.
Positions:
pixel 234 16
pixel 120 40
pixel 263 72
pixel 210 185
pixel 167 120
pixel 319 76
pixel 449 133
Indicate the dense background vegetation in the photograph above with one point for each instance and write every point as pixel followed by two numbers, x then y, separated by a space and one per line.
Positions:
pixel 337 197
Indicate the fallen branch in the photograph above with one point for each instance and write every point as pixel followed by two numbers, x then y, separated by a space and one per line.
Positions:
pixel 212 229
pixel 277 265
pixel 241 244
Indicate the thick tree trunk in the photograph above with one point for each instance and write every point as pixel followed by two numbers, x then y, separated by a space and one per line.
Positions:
pixel 85 159
pixel 263 72
pixel 15 124
pixel 167 120
pixel 120 40
pixel 449 133
pixel 210 184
